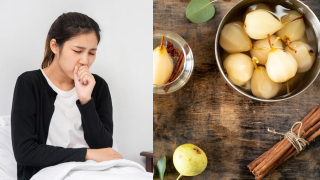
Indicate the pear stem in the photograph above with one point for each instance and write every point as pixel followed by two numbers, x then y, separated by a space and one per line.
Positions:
pixel 269 41
pixel 179 177
pixel 162 38
pixel 276 41
pixel 265 48
pixel 288 88
pixel 255 61
pixel 300 17
pixel 288 44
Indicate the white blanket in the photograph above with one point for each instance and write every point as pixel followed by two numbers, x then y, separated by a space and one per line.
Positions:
pixel 114 170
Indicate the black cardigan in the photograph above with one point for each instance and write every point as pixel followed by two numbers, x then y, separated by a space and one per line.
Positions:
pixel 32 109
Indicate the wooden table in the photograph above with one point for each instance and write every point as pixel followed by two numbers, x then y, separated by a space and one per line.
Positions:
pixel 229 127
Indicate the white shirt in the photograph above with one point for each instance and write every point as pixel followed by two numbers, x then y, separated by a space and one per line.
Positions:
pixel 65 129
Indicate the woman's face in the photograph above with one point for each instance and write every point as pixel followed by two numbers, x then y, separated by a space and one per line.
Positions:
pixel 78 51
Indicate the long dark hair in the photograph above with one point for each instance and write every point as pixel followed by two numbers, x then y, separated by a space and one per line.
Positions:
pixel 65 27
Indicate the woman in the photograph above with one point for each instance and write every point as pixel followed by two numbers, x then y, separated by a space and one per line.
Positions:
pixel 62 112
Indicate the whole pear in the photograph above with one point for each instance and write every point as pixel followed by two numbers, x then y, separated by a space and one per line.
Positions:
pixel 239 68
pixel 292 31
pixel 189 160
pixel 259 23
pixel 281 66
pixel 262 48
pixel 233 39
pixel 162 65
pixel 304 55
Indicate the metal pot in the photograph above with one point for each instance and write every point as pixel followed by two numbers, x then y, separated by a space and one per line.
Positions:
pixel 312 30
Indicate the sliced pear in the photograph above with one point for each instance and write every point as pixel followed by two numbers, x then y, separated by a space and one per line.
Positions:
pixel 304 55
pixel 281 66
pixel 259 23
pixel 262 86
pixel 233 39
pixel 292 31
pixel 239 68
pixel 162 65
pixel 261 48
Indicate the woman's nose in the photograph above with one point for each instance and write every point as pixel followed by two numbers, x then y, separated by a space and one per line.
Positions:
pixel 84 61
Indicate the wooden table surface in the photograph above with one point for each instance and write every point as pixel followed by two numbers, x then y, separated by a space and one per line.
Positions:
pixel 207 112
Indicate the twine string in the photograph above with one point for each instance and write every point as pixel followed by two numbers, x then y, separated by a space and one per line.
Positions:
pixel 297 142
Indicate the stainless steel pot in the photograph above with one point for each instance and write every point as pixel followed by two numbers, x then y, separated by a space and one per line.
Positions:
pixel 313 32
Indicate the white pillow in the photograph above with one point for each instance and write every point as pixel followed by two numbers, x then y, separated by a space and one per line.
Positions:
pixel 5 120
pixel 8 165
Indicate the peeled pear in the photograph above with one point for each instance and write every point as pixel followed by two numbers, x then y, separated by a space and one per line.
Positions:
pixel 233 39
pixel 262 86
pixel 292 31
pixel 261 49
pixel 259 23
pixel 162 65
pixel 239 68
pixel 189 160
pixel 304 38
pixel 281 66
pixel 255 7
pixel 304 55
pixel 246 87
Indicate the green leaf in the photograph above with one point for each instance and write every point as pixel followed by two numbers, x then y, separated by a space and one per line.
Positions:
pixel 161 165
pixel 199 11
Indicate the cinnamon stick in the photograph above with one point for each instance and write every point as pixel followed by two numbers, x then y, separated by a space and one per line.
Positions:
pixel 176 71
pixel 161 44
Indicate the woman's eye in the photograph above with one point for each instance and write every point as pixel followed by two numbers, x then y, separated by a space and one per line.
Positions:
pixel 91 53
pixel 77 51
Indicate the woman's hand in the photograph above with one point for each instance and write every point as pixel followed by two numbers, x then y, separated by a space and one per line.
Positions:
pixel 84 83
pixel 104 154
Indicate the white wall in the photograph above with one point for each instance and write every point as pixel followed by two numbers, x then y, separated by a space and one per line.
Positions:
pixel 123 59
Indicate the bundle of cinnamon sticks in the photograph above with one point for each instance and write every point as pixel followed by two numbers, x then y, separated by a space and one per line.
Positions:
pixel 283 150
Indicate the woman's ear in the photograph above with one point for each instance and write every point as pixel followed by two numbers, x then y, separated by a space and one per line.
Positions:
pixel 54 46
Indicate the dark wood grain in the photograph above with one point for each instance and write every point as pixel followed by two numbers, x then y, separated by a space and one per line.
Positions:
pixel 149 159
pixel 229 127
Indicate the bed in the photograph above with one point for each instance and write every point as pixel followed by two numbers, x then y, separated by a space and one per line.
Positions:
pixel 116 169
